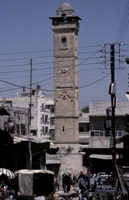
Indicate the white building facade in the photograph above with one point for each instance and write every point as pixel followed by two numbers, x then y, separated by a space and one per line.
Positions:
pixel 41 112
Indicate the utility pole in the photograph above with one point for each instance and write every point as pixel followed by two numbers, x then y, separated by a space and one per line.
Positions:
pixel 113 105
pixel 30 87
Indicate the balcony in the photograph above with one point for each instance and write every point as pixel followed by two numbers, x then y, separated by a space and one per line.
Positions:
pixel 65 25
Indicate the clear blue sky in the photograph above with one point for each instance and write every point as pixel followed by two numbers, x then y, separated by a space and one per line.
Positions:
pixel 26 34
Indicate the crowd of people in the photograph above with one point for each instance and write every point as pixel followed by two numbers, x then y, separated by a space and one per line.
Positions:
pixel 7 190
pixel 83 183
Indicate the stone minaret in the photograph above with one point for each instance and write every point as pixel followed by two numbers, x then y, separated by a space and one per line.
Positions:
pixel 65 28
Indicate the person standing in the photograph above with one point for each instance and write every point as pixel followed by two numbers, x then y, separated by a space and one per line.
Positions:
pixel 88 177
pixel 82 186
pixel 66 182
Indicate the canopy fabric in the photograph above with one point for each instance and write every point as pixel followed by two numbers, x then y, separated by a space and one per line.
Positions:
pixel 33 171
pixel 3 111
pixel 7 172
pixel 103 157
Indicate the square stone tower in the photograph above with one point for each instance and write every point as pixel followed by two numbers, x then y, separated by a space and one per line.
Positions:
pixel 65 28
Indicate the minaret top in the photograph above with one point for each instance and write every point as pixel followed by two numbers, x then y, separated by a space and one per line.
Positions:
pixel 65 6
pixel 65 15
pixel 65 9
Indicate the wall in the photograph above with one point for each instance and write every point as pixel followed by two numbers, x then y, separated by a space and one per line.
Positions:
pixel 97 122
pixel 69 162
pixel 101 142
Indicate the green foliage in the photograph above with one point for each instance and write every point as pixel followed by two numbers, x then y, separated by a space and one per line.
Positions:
pixel 80 114
pixel 69 149
pixel 81 149
pixel 85 110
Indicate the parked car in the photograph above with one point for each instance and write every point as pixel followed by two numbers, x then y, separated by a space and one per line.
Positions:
pixel 104 180
pixel 100 173
pixel 94 179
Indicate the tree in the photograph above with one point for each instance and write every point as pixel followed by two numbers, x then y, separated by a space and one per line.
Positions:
pixel 85 110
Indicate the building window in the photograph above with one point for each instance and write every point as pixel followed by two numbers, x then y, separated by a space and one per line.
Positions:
pixel 96 133
pixel 92 133
pixel 52 120
pixel 43 106
pixel 46 118
pixel 22 129
pixel 34 132
pixel 47 106
pixel 18 129
pixel 101 133
pixel 46 129
pixel 43 129
pixel 64 41
pixel 64 17
pixel 81 129
pixel 63 128
pixel 52 109
pixel 42 118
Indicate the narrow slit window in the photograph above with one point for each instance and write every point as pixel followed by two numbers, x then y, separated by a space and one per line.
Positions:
pixel 64 41
pixel 63 128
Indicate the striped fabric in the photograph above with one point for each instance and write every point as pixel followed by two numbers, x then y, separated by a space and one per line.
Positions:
pixel 7 172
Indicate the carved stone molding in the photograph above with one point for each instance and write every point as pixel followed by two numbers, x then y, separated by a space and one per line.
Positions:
pixel 64 70
pixel 64 96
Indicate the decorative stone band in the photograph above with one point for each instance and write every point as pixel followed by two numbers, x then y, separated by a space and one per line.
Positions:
pixel 65 29
pixel 66 142
pixel 66 117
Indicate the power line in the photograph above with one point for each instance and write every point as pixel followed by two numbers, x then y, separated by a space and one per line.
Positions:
pixel 45 50
pixel 37 57
pixel 53 90
pixel 94 82
pixel 122 25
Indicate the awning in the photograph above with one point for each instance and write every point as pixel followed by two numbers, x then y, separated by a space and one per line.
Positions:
pixel 33 171
pixel 36 144
pixel 103 157
pixel 53 162
pixel 52 150
pixel 3 111
pixel 7 172
pixel 83 139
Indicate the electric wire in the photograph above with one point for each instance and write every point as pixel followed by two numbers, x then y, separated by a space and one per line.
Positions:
pixel 45 50
pixel 57 75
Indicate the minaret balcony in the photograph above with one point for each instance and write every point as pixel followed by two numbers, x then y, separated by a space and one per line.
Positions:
pixel 64 25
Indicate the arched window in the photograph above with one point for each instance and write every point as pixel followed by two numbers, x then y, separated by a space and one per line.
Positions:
pixel 64 17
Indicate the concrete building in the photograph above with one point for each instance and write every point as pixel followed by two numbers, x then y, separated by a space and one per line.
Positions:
pixel 65 28
pixel 100 143
pixel 17 122
pixel 83 128
pixel 42 112
pixel 97 118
